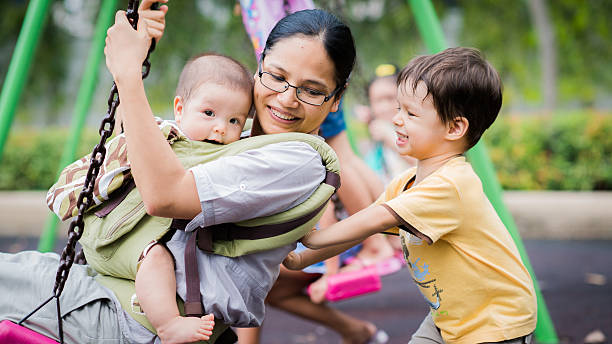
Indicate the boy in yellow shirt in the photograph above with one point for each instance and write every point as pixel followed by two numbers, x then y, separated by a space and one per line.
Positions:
pixel 461 256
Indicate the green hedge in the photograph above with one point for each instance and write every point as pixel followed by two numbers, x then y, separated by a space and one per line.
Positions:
pixel 571 151
pixel 31 158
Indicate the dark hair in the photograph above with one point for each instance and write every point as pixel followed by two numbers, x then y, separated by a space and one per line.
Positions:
pixel 215 68
pixel 334 34
pixel 462 84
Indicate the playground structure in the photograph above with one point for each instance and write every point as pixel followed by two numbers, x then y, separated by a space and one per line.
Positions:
pixel 429 28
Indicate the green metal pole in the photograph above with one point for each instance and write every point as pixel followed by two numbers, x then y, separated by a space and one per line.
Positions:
pixel 20 65
pixel 431 31
pixel 83 102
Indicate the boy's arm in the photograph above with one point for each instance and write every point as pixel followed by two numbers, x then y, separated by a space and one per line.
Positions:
pixel 298 261
pixel 372 220
pixel 167 189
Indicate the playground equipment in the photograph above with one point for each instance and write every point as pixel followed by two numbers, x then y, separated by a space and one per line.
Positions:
pixel 15 333
pixel 345 285
pixel 427 23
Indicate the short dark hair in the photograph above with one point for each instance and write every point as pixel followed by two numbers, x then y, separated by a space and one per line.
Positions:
pixel 335 35
pixel 461 83
pixel 215 68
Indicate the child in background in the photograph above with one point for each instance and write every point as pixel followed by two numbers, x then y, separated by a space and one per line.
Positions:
pixel 383 156
pixel 382 96
pixel 461 256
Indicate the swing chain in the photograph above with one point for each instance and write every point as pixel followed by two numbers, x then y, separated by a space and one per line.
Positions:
pixel 85 199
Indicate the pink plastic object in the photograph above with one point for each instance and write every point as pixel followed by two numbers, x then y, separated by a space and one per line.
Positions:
pixel 389 266
pixel 349 284
pixel 11 333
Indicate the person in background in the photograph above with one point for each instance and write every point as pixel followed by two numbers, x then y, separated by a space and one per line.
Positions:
pixel 383 156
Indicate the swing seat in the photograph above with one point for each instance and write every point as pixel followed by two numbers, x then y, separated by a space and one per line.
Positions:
pixel 11 333
pixel 350 284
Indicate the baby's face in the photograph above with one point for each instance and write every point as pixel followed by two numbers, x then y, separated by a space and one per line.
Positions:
pixel 213 113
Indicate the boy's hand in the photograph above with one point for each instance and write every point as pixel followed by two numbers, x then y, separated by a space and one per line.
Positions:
pixel 156 19
pixel 293 261
pixel 126 48
pixel 306 238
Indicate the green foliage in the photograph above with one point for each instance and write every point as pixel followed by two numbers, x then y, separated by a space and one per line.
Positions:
pixel 30 159
pixel 571 151
pixel 48 66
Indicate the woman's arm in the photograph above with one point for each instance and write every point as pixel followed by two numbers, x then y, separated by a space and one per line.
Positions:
pixel 167 189
pixel 258 182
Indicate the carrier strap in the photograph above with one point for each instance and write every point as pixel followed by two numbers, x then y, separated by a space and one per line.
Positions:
pixel 116 198
pixel 193 304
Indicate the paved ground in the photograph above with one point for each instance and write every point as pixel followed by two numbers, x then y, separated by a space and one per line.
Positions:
pixel 575 277
pixel 575 274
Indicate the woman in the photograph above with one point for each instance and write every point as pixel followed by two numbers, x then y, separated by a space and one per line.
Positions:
pixel 307 61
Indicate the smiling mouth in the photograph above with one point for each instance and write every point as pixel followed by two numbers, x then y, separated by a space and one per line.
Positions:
pixel 401 136
pixel 282 116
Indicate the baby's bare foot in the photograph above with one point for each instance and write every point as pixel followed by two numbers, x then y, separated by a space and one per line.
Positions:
pixel 186 329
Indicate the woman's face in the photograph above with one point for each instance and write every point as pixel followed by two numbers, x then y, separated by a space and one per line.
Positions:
pixel 303 62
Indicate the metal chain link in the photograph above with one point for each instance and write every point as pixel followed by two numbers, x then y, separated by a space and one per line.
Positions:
pixel 98 154
pixel 85 198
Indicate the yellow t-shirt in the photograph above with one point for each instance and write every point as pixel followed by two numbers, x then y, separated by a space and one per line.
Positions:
pixel 472 275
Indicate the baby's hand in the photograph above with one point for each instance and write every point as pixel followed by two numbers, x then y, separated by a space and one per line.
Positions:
pixel 156 19
pixel 293 261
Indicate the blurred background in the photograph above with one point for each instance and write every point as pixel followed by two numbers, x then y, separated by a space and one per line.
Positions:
pixel 551 146
pixel 553 56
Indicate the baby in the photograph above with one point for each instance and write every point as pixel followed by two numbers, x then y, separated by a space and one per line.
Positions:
pixel 203 113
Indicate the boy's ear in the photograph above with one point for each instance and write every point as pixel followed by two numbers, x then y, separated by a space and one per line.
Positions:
pixel 178 108
pixel 457 128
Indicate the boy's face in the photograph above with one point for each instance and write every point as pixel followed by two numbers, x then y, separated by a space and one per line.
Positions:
pixel 420 132
pixel 213 112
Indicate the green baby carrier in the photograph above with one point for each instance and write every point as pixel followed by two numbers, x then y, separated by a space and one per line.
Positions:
pixel 118 230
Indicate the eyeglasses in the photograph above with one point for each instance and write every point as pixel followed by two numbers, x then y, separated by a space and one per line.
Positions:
pixel 306 94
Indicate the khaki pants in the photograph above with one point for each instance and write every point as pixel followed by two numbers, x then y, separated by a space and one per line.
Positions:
pixel 89 315
pixel 428 333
